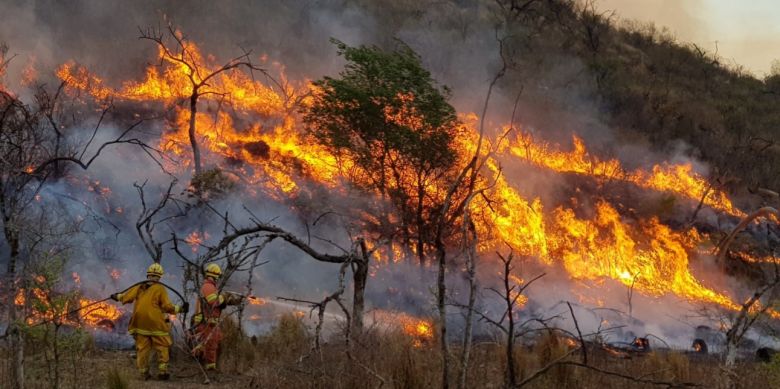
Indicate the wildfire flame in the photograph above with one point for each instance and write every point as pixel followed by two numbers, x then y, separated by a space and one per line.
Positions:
pixel 420 331
pixel 676 178
pixel 273 153
pixel 756 259
pixel 101 314
pixel 91 313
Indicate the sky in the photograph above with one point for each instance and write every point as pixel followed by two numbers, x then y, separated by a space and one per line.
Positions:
pixel 743 32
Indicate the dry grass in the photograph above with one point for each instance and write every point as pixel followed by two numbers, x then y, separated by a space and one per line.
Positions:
pixel 284 359
pixel 115 379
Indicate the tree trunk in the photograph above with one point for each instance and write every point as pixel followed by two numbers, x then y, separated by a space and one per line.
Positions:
pixel 510 353
pixel 17 341
pixel 17 349
pixel 731 355
pixel 193 134
pixel 511 380
pixel 471 257
pixel 358 298
pixel 728 374
pixel 441 303
pixel 420 224
pixel 12 238
pixel 56 383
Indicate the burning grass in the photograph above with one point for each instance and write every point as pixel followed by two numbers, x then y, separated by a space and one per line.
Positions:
pixel 41 306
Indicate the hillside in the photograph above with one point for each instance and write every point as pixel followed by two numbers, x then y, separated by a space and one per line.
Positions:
pixel 498 193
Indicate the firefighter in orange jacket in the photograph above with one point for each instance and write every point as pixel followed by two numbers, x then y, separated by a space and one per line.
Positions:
pixel 149 324
pixel 208 309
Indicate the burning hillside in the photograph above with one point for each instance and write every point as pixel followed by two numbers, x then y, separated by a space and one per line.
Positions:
pixel 273 155
pixel 320 194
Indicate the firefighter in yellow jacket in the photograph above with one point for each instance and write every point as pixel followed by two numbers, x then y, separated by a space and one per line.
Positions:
pixel 149 324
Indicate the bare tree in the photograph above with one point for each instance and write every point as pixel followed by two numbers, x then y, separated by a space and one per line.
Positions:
pixel 151 217
pixel 201 80
pixel 510 294
pixel 239 247
pixel 31 152
pixel 756 307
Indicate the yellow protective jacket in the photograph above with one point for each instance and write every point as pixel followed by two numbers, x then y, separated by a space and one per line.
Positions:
pixel 150 309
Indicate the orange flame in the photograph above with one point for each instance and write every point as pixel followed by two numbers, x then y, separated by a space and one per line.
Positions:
pixel 271 153
pixel 195 239
pixel 91 313
pixel 678 179
pixel 420 331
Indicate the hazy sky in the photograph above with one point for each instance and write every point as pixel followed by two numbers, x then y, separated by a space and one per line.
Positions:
pixel 746 32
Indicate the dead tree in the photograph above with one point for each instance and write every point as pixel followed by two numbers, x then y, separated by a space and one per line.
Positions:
pixel 473 169
pixel 201 80
pixel 239 245
pixel 756 307
pixel 30 155
pixel 745 318
pixel 151 217
pixel 470 241
pixel 321 306
pixel 510 294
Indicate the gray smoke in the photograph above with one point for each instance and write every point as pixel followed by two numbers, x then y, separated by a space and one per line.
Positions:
pixel 457 42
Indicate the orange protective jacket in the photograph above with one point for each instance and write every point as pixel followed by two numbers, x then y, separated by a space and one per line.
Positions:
pixel 208 307
pixel 150 309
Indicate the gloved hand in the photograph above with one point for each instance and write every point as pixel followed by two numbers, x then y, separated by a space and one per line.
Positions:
pixel 114 297
pixel 185 307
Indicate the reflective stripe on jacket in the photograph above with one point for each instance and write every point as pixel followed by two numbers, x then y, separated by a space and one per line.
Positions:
pixel 212 299
pixel 150 309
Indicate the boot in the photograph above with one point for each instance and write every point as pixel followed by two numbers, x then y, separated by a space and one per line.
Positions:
pixel 163 376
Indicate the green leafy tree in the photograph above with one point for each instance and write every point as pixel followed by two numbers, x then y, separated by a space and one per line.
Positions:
pixel 392 127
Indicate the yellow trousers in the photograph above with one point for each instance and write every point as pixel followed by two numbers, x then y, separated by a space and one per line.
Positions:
pixel 145 345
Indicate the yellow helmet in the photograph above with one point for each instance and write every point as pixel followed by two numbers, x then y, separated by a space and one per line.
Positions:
pixel 213 270
pixel 155 269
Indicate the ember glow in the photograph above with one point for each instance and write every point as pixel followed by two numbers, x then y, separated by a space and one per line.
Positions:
pixel 273 154
pixel 114 273
pixel 195 240
pixel 419 330
pixel 756 259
